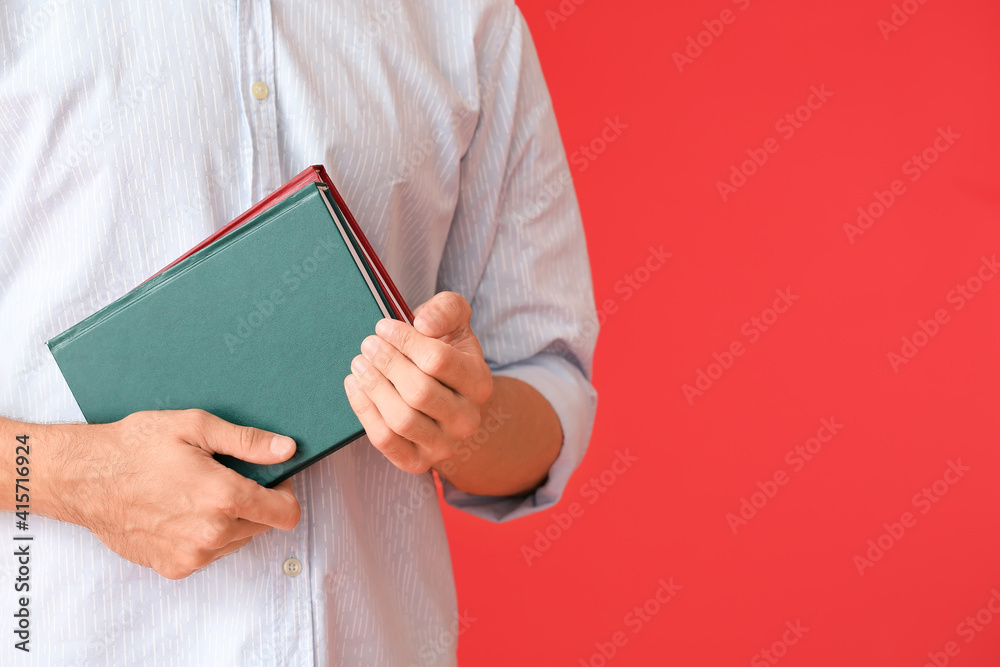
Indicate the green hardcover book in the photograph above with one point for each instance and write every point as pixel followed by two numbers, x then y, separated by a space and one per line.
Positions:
pixel 257 325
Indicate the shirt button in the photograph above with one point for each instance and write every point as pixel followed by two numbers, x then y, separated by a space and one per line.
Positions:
pixel 259 90
pixel 292 567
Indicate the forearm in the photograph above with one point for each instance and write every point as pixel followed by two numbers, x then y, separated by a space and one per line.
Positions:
pixel 518 440
pixel 27 453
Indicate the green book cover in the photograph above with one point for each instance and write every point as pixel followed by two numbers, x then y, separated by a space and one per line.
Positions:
pixel 258 328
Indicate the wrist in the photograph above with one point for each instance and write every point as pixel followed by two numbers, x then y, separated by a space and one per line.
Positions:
pixel 51 446
pixel 518 440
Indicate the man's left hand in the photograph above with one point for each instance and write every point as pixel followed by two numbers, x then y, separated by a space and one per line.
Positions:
pixel 419 390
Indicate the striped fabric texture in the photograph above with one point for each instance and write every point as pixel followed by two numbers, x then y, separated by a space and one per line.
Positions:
pixel 131 130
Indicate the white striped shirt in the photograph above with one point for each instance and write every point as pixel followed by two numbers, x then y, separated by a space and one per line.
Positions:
pixel 131 130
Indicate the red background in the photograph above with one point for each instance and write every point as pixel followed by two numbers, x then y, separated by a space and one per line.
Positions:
pixel 826 357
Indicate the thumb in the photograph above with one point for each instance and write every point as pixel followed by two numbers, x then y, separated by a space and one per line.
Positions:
pixel 246 442
pixel 446 315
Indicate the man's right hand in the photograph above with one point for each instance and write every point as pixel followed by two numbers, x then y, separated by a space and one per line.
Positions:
pixel 148 487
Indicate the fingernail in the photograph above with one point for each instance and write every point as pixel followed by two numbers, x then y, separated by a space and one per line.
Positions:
pixel 359 365
pixel 369 346
pixel 427 322
pixel 282 445
pixel 383 327
pixel 350 384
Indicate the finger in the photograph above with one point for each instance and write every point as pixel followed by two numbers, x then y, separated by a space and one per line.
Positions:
pixel 401 452
pixel 446 313
pixel 242 529
pixel 404 420
pixel 285 487
pixel 232 547
pixel 443 362
pixel 243 442
pixel 219 530
pixel 183 562
pixel 277 507
pixel 418 389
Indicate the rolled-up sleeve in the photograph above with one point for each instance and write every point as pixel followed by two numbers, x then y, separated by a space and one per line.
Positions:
pixel 516 250
pixel 575 401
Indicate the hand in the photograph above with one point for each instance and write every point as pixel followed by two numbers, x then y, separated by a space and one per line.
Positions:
pixel 419 390
pixel 148 487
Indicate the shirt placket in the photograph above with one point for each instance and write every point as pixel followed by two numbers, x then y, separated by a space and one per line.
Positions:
pixel 259 93
pixel 294 641
pixel 292 637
